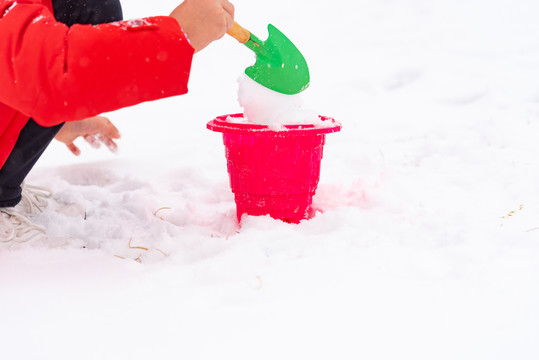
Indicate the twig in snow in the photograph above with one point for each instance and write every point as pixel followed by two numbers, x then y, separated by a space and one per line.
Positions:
pixel 162 252
pixel 136 247
pixel 512 212
pixel 161 208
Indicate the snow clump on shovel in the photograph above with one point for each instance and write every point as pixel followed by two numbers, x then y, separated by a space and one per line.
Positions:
pixel 264 106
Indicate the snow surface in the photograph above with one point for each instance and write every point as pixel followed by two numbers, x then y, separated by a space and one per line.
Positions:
pixel 428 244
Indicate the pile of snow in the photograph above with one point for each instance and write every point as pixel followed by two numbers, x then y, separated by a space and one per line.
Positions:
pixel 267 107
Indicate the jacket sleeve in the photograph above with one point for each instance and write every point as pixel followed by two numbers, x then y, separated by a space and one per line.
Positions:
pixel 54 73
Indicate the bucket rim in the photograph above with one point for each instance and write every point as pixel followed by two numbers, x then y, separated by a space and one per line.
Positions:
pixel 221 124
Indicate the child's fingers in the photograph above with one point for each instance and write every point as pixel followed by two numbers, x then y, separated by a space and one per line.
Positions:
pixel 229 8
pixel 107 128
pixel 109 143
pixel 75 150
pixel 93 141
pixel 113 131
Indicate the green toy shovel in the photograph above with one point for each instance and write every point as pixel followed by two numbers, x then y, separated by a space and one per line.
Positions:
pixel 279 65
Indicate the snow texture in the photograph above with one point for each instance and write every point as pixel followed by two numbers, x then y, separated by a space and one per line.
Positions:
pixel 263 106
pixel 426 244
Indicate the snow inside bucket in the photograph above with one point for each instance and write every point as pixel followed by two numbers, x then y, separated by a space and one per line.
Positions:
pixel 273 172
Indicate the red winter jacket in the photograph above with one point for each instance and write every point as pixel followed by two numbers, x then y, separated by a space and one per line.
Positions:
pixel 54 73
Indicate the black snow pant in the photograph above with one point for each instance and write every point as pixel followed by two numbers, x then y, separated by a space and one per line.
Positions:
pixel 34 139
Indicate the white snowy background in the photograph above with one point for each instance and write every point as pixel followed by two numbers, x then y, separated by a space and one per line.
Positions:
pixel 427 246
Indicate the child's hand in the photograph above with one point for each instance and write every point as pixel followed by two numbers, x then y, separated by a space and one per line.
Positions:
pixel 94 130
pixel 204 21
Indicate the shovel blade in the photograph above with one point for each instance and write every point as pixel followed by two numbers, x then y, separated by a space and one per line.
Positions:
pixel 279 65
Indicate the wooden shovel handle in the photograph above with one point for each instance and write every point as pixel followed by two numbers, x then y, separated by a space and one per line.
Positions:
pixel 239 33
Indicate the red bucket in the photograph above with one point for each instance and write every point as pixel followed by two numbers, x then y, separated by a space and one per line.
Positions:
pixel 273 172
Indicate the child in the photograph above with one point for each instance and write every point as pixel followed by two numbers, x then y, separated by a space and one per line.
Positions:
pixel 56 68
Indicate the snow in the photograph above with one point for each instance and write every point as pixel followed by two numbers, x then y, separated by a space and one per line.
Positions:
pixel 264 106
pixel 427 245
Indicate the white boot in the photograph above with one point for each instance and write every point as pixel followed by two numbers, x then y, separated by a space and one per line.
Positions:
pixel 34 199
pixel 14 223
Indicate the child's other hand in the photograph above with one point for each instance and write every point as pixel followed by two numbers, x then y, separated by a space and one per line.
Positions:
pixel 204 21
pixel 94 130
